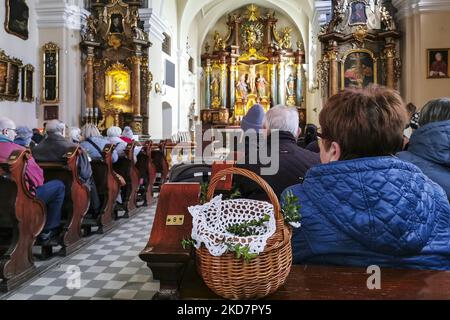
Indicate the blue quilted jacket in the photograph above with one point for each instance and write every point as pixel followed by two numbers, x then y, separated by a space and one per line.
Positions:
pixel 429 149
pixel 373 211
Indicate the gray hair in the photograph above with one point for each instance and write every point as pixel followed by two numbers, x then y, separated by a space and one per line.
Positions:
pixel 6 123
pixel 435 111
pixel 74 134
pixel 90 130
pixel 24 132
pixel 283 118
pixel 127 132
pixel 55 126
pixel 114 132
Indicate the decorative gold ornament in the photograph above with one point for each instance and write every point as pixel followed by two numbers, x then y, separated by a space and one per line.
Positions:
pixel 219 44
pixel 253 13
pixel 361 33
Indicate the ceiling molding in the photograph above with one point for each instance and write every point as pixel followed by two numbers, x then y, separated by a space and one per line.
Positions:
pixel 408 8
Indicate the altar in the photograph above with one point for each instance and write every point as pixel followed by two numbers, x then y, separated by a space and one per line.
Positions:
pixel 254 63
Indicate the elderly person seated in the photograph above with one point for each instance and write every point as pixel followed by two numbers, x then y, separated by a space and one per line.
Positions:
pixel 114 134
pixel 74 135
pixel 281 124
pixel 93 142
pixel 51 193
pixel 363 206
pixel 23 137
pixel 429 146
pixel 55 146
pixel 127 135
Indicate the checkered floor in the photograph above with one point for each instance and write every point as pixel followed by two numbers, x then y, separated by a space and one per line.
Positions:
pixel 107 269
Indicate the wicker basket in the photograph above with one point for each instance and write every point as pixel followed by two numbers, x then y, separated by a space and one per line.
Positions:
pixel 230 277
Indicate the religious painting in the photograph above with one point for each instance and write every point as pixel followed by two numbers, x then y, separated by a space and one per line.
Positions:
pixel 116 23
pixel 16 20
pixel 358 13
pixel 117 83
pixel 438 64
pixel 12 85
pixel 51 113
pixel 359 69
pixel 50 81
pixel 291 79
pixel 215 87
pixel 3 76
pixel 27 83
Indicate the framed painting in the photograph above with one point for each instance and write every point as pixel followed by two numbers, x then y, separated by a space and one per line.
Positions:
pixel 438 64
pixel 16 18
pixel 50 75
pixel 9 77
pixel 51 112
pixel 27 83
pixel 358 15
pixel 359 69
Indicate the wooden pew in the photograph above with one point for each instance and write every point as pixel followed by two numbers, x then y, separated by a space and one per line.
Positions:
pixel 127 169
pixel 226 183
pixel 147 171
pixel 164 253
pixel 76 203
pixel 108 188
pixel 22 218
pixel 340 283
pixel 160 162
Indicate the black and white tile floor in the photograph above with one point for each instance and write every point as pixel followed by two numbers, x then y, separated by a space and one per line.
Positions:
pixel 107 269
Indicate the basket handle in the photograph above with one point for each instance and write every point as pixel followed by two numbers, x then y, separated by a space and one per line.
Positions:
pixel 253 176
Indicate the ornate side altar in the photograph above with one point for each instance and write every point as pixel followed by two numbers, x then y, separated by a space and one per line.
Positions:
pixel 117 80
pixel 360 46
pixel 254 63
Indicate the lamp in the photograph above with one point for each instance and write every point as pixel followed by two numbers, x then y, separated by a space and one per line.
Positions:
pixel 160 89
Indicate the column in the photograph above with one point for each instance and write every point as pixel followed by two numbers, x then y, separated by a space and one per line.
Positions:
pixel 208 71
pixel 299 92
pixel 136 98
pixel 273 84
pixel 281 83
pixel 334 72
pixel 390 76
pixel 233 70
pixel 90 81
pixel 223 84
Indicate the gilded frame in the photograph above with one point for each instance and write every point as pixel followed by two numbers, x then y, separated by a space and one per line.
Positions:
pixel 344 59
pixel 23 36
pixel 47 49
pixel 429 64
pixel 10 81
pixel 27 83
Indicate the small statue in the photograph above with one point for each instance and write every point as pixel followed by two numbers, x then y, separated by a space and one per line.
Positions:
pixel 290 85
pixel 261 84
pixel 218 42
pixel 285 40
pixel 215 87
pixel 242 88
pixel 251 37
pixel 138 33
pixel 90 30
pixel 386 19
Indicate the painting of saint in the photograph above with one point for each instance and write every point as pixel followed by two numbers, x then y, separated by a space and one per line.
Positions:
pixel 3 73
pixel 438 63
pixel 215 87
pixel 358 70
pixel 116 23
pixel 13 81
pixel 17 14
pixel 358 13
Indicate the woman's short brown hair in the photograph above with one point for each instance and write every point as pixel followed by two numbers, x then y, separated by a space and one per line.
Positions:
pixel 364 122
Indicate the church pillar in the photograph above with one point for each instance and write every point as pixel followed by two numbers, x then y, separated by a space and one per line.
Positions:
pixel 90 81
pixel 299 92
pixel 281 83
pixel 223 84
pixel 136 85
pixel 233 69
pixel 390 77
pixel 208 71
pixel 273 84
pixel 334 72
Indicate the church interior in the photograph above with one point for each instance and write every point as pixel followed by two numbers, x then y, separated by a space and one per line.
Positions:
pixel 135 137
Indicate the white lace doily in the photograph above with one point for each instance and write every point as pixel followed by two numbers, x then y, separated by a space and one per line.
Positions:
pixel 211 221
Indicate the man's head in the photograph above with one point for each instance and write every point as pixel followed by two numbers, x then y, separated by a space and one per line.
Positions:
pixel 282 118
pixel 435 111
pixel 7 128
pixel 438 56
pixel 55 127
pixel 359 123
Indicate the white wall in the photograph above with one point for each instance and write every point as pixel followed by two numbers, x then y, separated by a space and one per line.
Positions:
pixel 22 113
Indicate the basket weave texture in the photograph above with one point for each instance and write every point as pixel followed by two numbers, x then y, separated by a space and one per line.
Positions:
pixel 232 278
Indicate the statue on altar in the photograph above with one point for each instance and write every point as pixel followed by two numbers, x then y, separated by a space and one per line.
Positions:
pixel 215 87
pixel 252 79
pixel 242 88
pixel 290 88
pixel 261 85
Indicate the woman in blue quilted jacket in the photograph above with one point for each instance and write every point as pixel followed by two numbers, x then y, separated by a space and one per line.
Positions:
pixel 429 147
pixel 363 206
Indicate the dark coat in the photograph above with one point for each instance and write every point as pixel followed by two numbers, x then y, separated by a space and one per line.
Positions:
pixel 294 162
pixel 372 211
pixel 429 149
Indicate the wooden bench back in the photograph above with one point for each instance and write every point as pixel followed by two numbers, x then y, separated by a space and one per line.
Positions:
pixel 126 167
